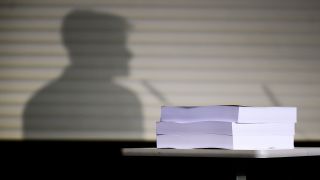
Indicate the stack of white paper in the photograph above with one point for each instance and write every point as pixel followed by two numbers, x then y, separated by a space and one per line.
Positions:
pixel 230 127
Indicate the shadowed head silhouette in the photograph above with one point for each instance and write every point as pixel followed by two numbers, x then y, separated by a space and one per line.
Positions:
pixel 83 102
pixel 87 35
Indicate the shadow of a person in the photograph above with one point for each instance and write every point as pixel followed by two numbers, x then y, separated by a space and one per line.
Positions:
pixel 84 103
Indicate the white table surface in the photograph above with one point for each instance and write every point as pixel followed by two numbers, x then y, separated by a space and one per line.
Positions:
pixel 296 152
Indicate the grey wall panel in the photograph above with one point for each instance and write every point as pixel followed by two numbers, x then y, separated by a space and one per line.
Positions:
pixel 101 69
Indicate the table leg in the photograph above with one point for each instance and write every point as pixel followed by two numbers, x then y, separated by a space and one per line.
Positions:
pixel 241 175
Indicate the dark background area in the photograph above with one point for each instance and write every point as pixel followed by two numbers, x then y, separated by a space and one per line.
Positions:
pixel 104 159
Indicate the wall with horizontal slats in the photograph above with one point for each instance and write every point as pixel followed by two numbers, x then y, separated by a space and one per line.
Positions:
pixel 101 69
